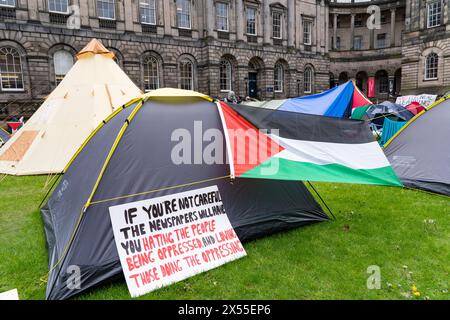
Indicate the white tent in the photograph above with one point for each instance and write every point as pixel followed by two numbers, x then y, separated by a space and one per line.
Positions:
pixel 93 88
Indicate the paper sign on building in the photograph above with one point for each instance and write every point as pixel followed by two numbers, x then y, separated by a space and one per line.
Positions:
pixel 170 238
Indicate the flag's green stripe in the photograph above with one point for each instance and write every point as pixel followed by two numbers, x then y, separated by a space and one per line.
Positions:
pixel 293 170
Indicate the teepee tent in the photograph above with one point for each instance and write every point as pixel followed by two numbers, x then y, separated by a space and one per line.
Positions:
pixel 130 158
pixel 93 88
pixel 420 151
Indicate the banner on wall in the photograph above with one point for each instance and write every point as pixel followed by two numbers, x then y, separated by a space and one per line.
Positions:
pixel 371 87
pixel 170 238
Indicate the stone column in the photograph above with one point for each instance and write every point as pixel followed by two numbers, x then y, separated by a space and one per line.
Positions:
pixel 291 23
pixel 352 31
pixel 167 20
pixel 33 10
pixel 335 17
pixel 210 17
pixel 128 9
pixel 240 16
pixel 393 27
pixel 267 23
pixel 327 23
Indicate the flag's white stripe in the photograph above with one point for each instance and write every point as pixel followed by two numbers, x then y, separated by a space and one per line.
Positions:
pixel 356 156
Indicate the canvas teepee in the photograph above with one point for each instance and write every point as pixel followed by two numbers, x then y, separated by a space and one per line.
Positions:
pixel 91 90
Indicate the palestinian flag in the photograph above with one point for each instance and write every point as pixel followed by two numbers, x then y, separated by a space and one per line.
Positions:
pixel 298 146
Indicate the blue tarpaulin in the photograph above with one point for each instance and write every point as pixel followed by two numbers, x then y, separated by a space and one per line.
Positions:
pixel 335 102
pixel 390 127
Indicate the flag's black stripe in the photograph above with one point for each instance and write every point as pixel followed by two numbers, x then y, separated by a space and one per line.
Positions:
pixel 300 126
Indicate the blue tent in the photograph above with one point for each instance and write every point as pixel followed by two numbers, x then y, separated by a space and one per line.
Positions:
pixel 336 102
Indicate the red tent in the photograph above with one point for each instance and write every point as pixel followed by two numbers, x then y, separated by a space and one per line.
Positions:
pixel 415 107
pixel 359 99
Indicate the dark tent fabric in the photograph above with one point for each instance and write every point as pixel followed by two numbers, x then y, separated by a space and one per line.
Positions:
pixel 420 153
pixel 4 136
pixel 81 234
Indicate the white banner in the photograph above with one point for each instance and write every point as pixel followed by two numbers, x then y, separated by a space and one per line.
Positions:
pixel 168 239
pixel 424 99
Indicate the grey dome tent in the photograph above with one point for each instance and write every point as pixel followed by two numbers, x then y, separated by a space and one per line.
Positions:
pixel 128 158
pixel 420 151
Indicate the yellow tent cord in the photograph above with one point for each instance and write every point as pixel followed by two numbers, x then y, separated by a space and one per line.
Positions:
pixel 160 189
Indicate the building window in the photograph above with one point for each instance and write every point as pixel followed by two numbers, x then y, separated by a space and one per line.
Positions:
pixel 58 6
pixel 225 75
pixel 357 42
pixel 338 42
pixel 276 25
pixel 278 78
pixel 251 21
pixel 147 9
pixel 307 80
pixel 381 40
pixel 358 20
pixel 11 75
pixel 222 16
pixel 431 66
pixel 8 3
pixel 186 74
pixel 62 61
pixel 307 27
pixel 434 14
pixel 184 14
pixel 106 9
pixel 151 74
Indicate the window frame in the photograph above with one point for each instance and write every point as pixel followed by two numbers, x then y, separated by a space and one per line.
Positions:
pixel 56 75
pixel 427 69
pixel 305 22
pixel 247 10
pixel 114 11
pixel 278 72
pixel 384 38
pixel 439 14
pixel 9 5
pixel 180 73
pixel 360 42
pixel 229 73
pixel 60 12
pixel 308 70
pixel 156 63
pixel 2 89
pixel 227 17
pixel 189 14
pixel 280 15
pixel 149 8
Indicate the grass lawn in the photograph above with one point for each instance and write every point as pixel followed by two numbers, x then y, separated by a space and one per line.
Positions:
pixel 375 226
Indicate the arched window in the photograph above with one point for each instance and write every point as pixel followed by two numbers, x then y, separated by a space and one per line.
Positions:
pixel 62 61
pixel 186 74
pixel 151 73
pixel 431 66
pixel 278 77
pixel 307 80
pixel 225 75
pixel 11 74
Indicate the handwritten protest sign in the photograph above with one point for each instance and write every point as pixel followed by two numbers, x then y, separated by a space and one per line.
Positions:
pixel 167 239
pixel 423 99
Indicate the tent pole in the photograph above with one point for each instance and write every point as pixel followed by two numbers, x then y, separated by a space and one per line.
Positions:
pixel 323 201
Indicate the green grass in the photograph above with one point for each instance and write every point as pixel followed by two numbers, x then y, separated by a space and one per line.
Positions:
pixel 375 226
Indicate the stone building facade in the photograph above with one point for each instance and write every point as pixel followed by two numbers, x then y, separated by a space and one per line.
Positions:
pixel 261 48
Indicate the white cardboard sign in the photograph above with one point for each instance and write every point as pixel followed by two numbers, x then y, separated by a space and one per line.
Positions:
pixel 9 295
pixel 170 238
